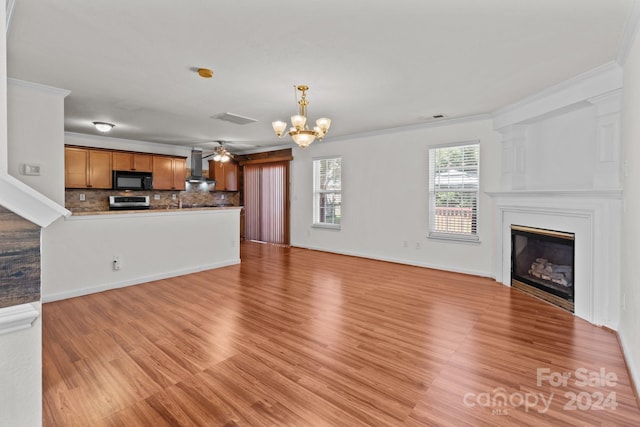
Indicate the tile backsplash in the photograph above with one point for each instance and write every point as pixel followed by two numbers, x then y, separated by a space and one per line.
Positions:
pixel 98 200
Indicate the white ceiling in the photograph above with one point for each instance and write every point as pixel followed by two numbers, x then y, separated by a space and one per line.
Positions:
pixel 370 65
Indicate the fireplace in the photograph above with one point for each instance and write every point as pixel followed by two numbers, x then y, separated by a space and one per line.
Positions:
pixel 542 264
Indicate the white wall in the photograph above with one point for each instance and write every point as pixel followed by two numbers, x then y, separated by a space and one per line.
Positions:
pixel 36 136
pixel 384 197
pixel 78 252
pixel 560 151
pixel 20 351
pixel 21 375
pixel 630 246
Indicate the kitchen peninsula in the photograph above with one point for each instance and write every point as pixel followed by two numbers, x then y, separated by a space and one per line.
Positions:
pixel 148 245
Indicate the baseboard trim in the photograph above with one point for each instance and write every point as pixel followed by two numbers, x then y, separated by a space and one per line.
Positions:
pixel 401 261
pixel 632 373
pixel 135 281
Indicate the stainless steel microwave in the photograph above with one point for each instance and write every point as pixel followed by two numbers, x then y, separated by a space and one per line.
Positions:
pixel 127 180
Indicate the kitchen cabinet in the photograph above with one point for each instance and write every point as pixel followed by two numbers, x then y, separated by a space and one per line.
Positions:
pixel 225 174
pixel 169 173
pixel 87 168
pixel 132 162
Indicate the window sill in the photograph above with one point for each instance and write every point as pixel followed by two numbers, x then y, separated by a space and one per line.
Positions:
pixel 458 238
pixel 327 226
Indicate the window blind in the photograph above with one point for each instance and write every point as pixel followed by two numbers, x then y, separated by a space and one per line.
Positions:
pixel 327 191
pixel 454 190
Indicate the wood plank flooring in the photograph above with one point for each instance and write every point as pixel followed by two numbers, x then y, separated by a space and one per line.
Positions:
pixel 303 338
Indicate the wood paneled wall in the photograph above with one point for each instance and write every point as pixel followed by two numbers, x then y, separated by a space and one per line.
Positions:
pixel 19 260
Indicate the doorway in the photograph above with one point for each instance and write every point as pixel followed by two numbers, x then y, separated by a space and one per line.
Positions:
pixel 266 202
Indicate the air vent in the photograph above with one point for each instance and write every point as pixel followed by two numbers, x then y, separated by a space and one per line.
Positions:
pixel 433 118
pixel 234 118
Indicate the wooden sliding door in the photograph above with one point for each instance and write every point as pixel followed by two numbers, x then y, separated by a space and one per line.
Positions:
pixel 266 202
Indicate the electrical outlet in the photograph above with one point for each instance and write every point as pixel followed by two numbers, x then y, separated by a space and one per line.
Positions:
pixel 174 196
pixel 156 197
pixel 82 197
pixel 116 263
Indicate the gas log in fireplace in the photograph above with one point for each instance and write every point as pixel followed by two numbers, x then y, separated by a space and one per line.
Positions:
pixel 542 264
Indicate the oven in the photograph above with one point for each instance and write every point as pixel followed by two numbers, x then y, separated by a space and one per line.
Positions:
pixel 126 203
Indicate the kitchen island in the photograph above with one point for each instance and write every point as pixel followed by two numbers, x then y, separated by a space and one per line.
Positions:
pixel 79 251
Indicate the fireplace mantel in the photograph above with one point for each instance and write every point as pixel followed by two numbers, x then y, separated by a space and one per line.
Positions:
pixel 594 217
pixel 580 194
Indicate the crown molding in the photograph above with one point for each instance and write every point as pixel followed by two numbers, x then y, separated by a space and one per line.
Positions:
pixel 409 128
pixel 629 33
pixel 37 86
pixel 9 12
pixel 562 96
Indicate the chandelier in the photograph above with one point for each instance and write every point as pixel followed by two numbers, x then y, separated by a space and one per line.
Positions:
pixel 299 131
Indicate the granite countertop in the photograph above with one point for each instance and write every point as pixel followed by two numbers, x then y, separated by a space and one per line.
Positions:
pixel 154 210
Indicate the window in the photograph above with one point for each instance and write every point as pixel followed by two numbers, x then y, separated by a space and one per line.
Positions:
pixel 327 192
pixel 453 191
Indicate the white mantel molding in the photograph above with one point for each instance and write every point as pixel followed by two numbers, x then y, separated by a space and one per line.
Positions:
pixel 17 317
pixel 581 194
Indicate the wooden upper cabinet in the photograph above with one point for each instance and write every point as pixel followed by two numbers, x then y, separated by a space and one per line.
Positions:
pixel 225 175
pixel 76 167
pixel 132 162
pixel 87 168
pixel 169 173
pixel 180 173
pixel 99 169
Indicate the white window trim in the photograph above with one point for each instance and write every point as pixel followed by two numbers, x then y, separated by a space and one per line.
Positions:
pixel 324 225
pixel 453 237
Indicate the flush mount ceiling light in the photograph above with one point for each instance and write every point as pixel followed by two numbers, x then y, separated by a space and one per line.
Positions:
pixel 103 127
pixel 300 133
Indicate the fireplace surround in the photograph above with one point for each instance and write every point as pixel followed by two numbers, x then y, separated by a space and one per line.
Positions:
pixel 593 217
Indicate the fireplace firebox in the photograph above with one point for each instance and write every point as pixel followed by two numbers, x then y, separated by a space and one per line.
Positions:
pixel 542 264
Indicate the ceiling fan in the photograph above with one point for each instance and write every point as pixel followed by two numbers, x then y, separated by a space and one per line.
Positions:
pixel 220 153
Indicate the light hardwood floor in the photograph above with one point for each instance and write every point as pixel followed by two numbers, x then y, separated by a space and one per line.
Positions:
pixel 304 338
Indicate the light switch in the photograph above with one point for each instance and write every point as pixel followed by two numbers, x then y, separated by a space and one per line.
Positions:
pixel 32 169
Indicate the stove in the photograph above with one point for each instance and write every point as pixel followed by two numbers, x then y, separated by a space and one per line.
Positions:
pixel 127 203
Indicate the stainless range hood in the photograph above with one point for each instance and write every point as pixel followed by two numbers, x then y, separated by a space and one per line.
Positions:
pixel 196 168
